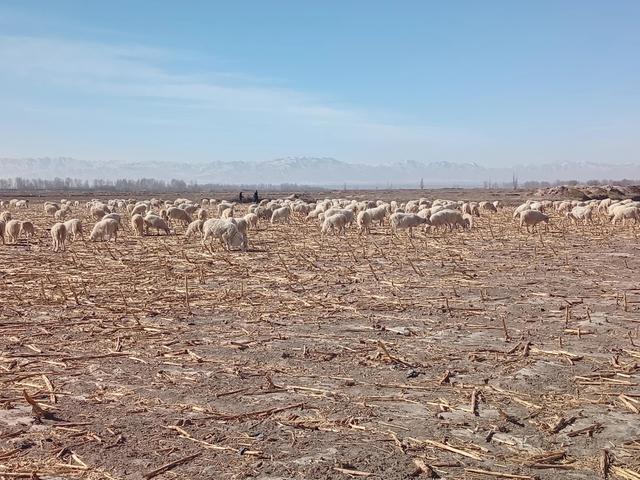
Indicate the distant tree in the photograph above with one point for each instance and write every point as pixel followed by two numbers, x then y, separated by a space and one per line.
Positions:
pixel 422 184
pixel 514 182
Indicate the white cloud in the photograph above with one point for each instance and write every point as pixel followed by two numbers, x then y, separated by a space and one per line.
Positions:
pixel 144 72
pixel 158 93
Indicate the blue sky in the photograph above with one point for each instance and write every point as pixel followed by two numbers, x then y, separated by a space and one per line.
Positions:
pixel 495 82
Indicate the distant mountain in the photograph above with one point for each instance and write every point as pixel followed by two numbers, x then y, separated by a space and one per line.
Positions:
pixel 314 171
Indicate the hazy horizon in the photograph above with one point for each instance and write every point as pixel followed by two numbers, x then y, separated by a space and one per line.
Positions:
pixel 494 83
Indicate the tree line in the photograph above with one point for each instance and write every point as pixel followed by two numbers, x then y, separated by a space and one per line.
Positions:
pixel 135 185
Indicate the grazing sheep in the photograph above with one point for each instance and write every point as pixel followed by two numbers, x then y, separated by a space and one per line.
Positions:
pixel 282 213
pixel 263 212
pixel 175 213
pixel 28 229
pixel 531 218
pixel 348 213
pixel 114 216
pixel 364 221
pixel 468 220
pixel 104 230
pixel 227 213
pixel 190 209
pixel 628 213
pixel 139 209
pixel 336 223
pixel 97 212
pixel 252 220
pixel 488 206
pixel 224 206
pixel 137 224
pixel 399 221
pixel 379 213
pixel 22 204
pixel 5 216
pixel 61 214
pixel 74 227
pixel 302 209
pixel 225 231
pixel 521 208
pixel 51 208
pixel 447 218
pixel 202 215
pixel 241 224
pixel 580 213
pixel 151 220
pixel 59 237
pixel 12 230
pixel 194 227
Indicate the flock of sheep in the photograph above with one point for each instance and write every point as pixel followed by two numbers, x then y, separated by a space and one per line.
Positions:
pixel 213 220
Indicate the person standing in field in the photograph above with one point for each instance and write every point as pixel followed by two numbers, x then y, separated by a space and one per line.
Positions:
pixel 255 197
pixel 240 197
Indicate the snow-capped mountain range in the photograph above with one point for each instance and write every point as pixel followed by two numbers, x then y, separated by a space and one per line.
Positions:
pixel 314 171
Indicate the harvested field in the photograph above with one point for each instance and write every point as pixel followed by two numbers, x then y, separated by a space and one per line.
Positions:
pixel 487 353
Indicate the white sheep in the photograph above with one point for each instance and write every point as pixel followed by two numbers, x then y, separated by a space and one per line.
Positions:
pixel 202 215
pixel 51 208
pixel 241 224
pixel 222 206
pixel 252 220
pixel 104 230
pixel 59 237
pixel 631 212
pixel 98 212
pixel 175 213
pixel 347 212
pixel 282 213
pixel 379 213
pixel 531 218
pixel 401 221
pixel 61 215
pixel 263 212
pixel 154 221
pixel 364 221
pixel 139 209
pixel 5 216
pixel 114 216
pixel 447 218
pixel 336 223
pixel 27 228
pixel 225 231
pixel 488 206
pixel 580 213
pixel 521 208
pixel 74 227
pixel 194 227
pixel 137 224
pixel 12 230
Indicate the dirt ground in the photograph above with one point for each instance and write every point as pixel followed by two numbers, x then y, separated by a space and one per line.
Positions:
pixel 489 353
